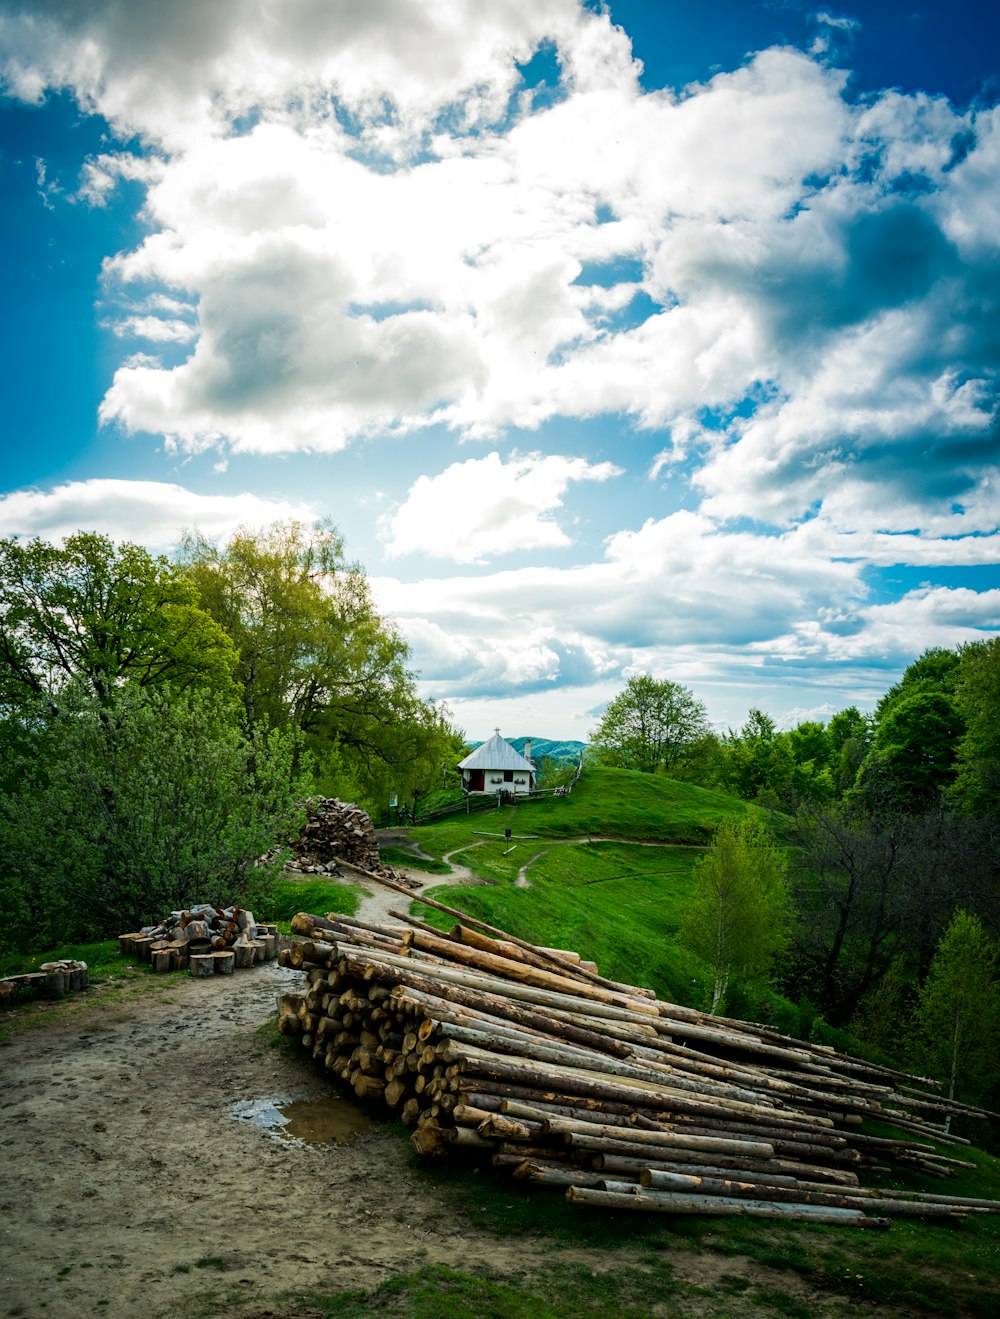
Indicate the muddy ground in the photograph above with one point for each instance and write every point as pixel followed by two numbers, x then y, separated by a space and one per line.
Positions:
pixel 128 1188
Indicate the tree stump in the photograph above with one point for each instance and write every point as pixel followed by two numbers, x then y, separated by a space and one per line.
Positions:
pixel 243 954
pixel 140 947
pixel 225 962
pixel 202 964
pixel 56 979
pixel 162 959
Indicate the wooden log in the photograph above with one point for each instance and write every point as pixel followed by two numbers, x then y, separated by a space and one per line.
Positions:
pixel 163 959
pixel 202 964
pixel 140 947
pixel 588 1135
pixel 56 979
pixel 530 975
pixel 720 1165
pixel 476 1006
pixel 666 1203
pixel 224 962
pixel 243 955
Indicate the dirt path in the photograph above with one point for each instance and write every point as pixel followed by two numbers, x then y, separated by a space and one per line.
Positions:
pixel 378 903
pixel 123 1167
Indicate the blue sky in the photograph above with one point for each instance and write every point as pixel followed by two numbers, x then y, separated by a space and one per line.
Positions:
pixel 615 339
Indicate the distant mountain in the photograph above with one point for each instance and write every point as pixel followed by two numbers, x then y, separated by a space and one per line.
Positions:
pixel 543 747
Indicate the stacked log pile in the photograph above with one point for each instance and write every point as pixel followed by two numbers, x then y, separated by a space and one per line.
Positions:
pixel 51 980
pixel 565 1078
pixel 207 940
pixel 338 833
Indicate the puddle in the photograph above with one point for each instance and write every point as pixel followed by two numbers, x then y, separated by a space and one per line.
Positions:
pixel 329 1121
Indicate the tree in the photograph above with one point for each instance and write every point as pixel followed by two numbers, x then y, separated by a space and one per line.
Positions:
pixel 138 807
pixel 849 734
pixel 759 761
pixel 103 615
pixel 314 654
pixel 912 760
pixel 847 896
pixel 956 1021
pixel 977 695
pixel 649 725
pixel 738 921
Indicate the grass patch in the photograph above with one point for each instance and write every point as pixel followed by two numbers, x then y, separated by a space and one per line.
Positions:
pixel 566 1291
pixel 103 959
pixel 312 894
pixel 406 857
pixel 617 903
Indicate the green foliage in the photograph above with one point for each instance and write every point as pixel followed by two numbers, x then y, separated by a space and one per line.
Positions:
pixel 92 615
pixel 957 1015
pixel 738 919
pixel 759 764
pixel 914 750
pixel 315 655
pixel 648 725
pixel 290 896
pixel 882 1016
pixel 139 807
pixel 977 696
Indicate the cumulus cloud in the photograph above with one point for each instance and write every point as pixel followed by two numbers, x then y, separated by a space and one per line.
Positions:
pixel 360 222
pixel 813 298
pixel 684 597
pixel 474 511
pixel 150 513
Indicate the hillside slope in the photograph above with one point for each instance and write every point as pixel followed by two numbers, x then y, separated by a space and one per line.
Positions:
pixel 624 803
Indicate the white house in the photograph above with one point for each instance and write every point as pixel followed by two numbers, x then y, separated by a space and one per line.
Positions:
pixel 497 767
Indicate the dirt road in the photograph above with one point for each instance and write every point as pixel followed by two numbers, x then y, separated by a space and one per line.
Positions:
pixel 122 1167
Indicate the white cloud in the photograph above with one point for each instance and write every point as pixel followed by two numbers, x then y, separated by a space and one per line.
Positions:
pixel 150 513
pixel 474 511
pixel 179 71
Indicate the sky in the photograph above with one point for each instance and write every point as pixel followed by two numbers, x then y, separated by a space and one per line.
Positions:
pixel 620 338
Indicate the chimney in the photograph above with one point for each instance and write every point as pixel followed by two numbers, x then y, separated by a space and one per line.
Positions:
pixel 527 748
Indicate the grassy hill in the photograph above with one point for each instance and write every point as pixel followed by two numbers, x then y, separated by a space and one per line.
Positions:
pixel 608 871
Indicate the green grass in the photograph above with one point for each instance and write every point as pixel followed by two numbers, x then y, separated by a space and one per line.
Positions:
pixel 616 903
pixel 311 894
pixel 619 803
pixel 406 857
pixel 103 959
pixel 565 1291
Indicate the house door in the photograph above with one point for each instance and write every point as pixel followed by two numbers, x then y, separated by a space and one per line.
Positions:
pixel 477 781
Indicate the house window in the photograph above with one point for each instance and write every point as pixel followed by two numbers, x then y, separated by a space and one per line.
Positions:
pixel 508 776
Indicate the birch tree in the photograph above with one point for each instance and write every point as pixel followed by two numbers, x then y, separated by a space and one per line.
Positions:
pixel 956 1022
pixel 738 922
